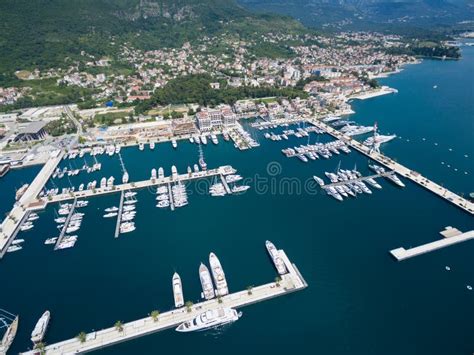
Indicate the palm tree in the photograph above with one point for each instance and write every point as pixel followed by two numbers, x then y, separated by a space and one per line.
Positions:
pixel 249 290
pixel 40 346
pixel 189 306
pixel 219 299
pixel 154 315
pixel 81 337
pixel 277 281
pixel 119 326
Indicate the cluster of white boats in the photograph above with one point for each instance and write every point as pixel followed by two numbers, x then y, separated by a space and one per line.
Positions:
pixel 351 182
pixel 299 133
pixel 178 195
pixel 25 226
pixel 218 189
pixel 313 151
pixel 215 286
pixel 243 139
pixel 70 171
pixel 127 214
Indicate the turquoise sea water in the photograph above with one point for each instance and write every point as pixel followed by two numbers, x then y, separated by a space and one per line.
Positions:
pixel 359 300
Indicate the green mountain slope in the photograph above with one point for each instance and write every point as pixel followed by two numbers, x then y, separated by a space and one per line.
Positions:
pixel 42 33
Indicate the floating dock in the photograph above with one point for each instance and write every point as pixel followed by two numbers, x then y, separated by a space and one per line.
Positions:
pixel 66 225
pixel 226 185
pixel 362 178
pixel 290 282
pixel 449 239
pixel 119 215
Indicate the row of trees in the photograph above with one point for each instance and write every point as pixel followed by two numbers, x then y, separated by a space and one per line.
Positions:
pixel 197 89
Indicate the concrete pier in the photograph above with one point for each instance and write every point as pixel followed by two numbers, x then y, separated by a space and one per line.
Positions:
pixel 27 203
pixel 290 282
pixel 167 180
pixel 226 185
pixel 402 253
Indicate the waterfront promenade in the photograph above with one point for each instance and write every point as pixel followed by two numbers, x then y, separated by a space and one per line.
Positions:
pixel 26 203
pixel 290 282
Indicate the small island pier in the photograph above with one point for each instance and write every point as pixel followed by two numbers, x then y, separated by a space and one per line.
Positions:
pixel 451 236
pixel 119 215
pixel 66 225
pixel 290 282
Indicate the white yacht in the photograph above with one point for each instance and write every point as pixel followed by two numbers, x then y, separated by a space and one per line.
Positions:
pixel 51 240
pixel 277 260
pixel 174 143
pixel 111 209
pixel 177 291
pixel 318 180
pixel 127 227
pixel 203 139
pixel 125 178
pixel 237 189
pixel 141 146
pixel 110 215
pixel 206 282
pixel 153 174
pixel 152 145
pixel 13 248
pixel 210 319
pixel 214 139
pixel 26 226
pixel 218 275
pixel 392 177
pixel 191 140
pixel 40 328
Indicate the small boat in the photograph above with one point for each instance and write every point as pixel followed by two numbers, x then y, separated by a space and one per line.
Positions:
pixel 13 248
pixel 51 240
pixel 18 241
pixel 26 227
pixel 9 336
pixel 111 209
pixel 152 145
pixel 110 215
pixel 177 291
pixel 191 140
pixel 174 143
pixel 210 319
pixel 40 328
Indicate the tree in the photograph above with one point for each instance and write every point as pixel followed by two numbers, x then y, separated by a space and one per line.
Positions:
pixel 154 315
pixel 189 306
pixel 40 346
pixel 249 290
pixel 82 337
pixel 119 326
pixel 277 281
pixel 219 299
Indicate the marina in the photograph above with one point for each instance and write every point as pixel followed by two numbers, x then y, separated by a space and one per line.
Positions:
pixel 289 283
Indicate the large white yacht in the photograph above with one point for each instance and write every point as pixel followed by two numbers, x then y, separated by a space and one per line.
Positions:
pixel 277 260
pixel 206 282
pixel 40 328
pixel 210 319
pixel 177 291
pixel 218 275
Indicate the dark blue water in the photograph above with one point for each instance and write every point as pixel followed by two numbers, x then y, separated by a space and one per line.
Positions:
pixel 359 300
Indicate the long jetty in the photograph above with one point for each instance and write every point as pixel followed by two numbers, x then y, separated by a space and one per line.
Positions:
pixel 66 225
pixel 290 282
pixel 222 170
pixel 398 168
pixel 26 204
pixel 449 239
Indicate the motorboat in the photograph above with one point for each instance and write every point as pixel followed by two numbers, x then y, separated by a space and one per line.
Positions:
pixel 210 319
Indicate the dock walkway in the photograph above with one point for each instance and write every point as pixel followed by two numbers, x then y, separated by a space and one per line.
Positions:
pixel 224 170
pixel 402 253
pixel 66 225
pixel 291 282
pixel 119 215
pixel 226 185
